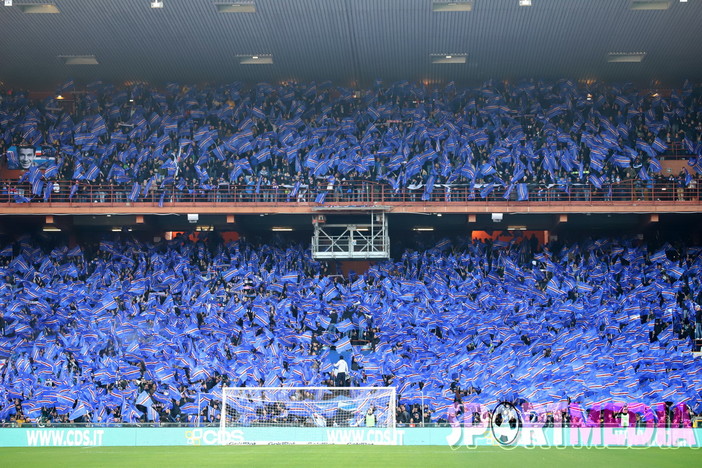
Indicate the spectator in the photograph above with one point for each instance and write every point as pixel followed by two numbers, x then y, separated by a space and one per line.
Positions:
pixel 341 370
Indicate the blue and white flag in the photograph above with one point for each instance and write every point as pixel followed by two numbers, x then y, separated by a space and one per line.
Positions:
pixel 320 198
pixel 522 192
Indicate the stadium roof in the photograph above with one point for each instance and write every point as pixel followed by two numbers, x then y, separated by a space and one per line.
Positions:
pixel 350 42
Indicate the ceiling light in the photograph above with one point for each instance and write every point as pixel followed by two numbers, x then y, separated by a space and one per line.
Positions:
pixel 37 8
pixel 516 228
pixel 448 58
pixel 422 228
pixel 157 4
pixel 452 5
pixel 524 2
pixel 78 59
pixel 649 4
pixel 281 229
pixel 116 229
pixel 626 57
pixel 255 59
pixel 51 228
pixel 59 97
pixel 8 2
pixel 238 7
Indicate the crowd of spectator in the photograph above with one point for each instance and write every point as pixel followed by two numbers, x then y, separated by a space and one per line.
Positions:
pixel 293 141
pixel 125 331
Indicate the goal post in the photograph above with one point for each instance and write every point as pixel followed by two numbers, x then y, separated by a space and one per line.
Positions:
pixel 308 415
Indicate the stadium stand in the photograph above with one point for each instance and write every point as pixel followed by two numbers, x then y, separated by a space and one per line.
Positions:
pixel 303 142
pixel 351 232
pixel 123 331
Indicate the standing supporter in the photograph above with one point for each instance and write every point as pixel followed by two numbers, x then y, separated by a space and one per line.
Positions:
pixel 341 370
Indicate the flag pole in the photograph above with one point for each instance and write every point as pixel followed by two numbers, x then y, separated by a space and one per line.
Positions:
pixel 422 408
pixel 199 399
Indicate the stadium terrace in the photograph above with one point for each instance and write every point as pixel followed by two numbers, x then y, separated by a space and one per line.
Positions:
pixel 121 331
pixel 533 140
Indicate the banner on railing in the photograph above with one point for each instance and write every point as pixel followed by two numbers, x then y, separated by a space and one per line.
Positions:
pixel 465 437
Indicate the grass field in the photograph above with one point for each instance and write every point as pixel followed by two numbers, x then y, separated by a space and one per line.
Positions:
pixel 329 456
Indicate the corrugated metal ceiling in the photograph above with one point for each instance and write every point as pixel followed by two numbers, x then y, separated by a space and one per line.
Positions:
pixel 348 41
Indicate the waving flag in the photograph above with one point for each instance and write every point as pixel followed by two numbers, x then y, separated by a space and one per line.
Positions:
pixel 330 294
pixel 134 194
pixel 486 190
pixel 343 344
pixel 289 278
pixel 320 198
pixel 522 192
pixel 67 85
pixel 659 145
pixel 645 147
pixel 92 173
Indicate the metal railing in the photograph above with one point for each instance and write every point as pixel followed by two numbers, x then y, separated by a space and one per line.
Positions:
pixel 356 192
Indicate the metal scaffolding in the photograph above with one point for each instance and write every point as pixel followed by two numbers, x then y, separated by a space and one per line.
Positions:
pixel 346 241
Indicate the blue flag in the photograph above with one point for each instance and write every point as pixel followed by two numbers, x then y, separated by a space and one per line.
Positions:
pixel 321 196
pixel 522 192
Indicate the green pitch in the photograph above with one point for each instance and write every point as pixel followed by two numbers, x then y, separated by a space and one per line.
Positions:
pixel 330 456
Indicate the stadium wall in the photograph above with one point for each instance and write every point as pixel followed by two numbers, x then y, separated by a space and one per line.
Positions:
pixel 453 437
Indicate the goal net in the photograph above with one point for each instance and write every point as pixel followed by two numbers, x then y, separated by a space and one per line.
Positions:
pixel 364 415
